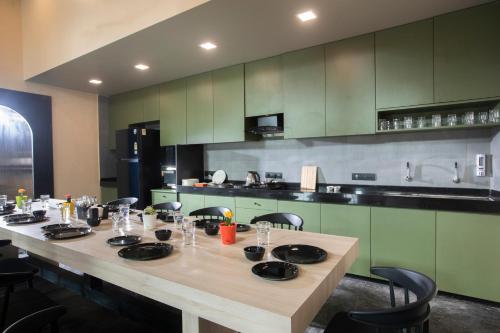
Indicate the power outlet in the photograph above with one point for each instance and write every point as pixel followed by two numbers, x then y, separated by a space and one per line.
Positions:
pixel 274 175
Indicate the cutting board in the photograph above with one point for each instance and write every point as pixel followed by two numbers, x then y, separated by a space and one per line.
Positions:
pixel 308 177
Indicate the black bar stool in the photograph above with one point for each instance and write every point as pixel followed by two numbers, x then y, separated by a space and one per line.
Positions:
pixel 39 320
pixel 281 219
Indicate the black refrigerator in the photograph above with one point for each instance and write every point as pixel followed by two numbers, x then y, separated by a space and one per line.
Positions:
pixel 138 164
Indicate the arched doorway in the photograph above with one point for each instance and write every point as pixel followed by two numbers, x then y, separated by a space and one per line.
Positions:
pixel 16 153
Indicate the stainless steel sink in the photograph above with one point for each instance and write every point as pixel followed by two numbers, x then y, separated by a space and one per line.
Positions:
pixel 437 196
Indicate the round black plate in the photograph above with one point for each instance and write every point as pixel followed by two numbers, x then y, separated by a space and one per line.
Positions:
pixel 276 270
pixel 124 240
pixel 29 220
pixel 16 217
pixel 67 233
pixel 6 212
pixel 53 227
pixel 242 227
pixel 146 251
pixel 299 254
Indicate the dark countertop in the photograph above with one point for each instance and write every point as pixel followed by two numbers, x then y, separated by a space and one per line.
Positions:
pixel 469 200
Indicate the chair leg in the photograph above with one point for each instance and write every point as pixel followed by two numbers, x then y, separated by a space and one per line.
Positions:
pixel 426 326
pixel 30 283
pixel 5 307
pixel 54 327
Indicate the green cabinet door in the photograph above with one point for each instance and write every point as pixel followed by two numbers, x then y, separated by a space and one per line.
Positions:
pixel 245 215
pixel 114 119
pixel 350 221
pixel 151 103
pixel 404 65
pixel 132 108
pixel 162 196
pixel 404 238
pixel 229 104
pixel 468 248
pixel 108 194
pixel 173 113
pixel 200 109
pixel 191 202
pixel 263 87
pixel 304 93
pixel 220 201
pixel 310 213
pixel 467 53
pixel 350 86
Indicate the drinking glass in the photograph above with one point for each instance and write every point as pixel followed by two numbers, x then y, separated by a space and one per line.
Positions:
pixel 452 119
pixel 436 120
pixel 188 232
pixel 124 211
pixel 178 218
pixel 469 118
pixel 494 116
pixel 483 117
pixel 3 201
pixel 26 206
pixel 384 124
pixel 263 233
pixel 118 224
pixel 44 198
pixel 421 122
pixel 396 123
pixel 408 120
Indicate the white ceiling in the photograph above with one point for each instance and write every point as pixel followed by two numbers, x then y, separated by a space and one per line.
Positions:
pixel 244 30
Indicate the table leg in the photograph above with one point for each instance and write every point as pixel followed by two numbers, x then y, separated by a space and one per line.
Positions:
pixel 194 324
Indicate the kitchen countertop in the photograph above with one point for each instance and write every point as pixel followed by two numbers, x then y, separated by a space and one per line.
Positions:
pixel 447 199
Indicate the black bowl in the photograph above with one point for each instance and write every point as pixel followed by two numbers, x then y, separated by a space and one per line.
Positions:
pixel 212 229
pixel 163 234
pixel 93 222
pixel 39 214
pixel 254 253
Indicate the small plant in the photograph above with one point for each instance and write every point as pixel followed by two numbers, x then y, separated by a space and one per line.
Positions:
pixel 149 210
pixel 228 216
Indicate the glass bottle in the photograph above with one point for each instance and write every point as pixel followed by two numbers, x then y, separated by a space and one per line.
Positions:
pixel 21 196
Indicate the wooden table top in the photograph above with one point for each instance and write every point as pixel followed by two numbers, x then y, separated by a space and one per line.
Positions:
pixel 209 279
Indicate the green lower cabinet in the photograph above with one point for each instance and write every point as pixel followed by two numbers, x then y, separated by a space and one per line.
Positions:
pixel 191 202
pixel 219 201
pixel 404 238
pixel 162 196
pixel 468 248
pixel 308 211
pixel 350 221
pixel 245 215
pixel 257 203
pixel 108 194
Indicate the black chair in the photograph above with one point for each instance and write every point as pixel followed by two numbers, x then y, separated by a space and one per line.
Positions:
pixel 14 265
pixel 123 201
pixel 410 317
pixel 22 302
pixel 281 219
pixel 216 213
pixel 38 321
pixel 168 206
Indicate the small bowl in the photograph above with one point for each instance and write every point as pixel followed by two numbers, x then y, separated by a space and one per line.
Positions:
pixel 93 222
pixel 39 214
pixel 211 229
pixel 163 234
pixel 254 253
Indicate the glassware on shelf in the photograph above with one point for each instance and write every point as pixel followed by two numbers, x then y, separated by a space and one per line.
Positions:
pixel 408 122
pixel 494 115
pixel 421 122
pixel 396 123
pixel 469 118
pixel 384 124
pixel 436 120
pixel 483 117
pixel 452 119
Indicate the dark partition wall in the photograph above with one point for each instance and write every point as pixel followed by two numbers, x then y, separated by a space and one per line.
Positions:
pixel 37 110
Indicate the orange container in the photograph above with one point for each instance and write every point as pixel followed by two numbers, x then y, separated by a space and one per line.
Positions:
pixel 228 233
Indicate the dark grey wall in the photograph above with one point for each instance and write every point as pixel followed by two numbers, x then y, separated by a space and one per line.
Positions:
pixel 107 160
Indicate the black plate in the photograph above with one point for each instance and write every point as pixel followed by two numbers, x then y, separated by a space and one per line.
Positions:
pixel 6 212
pixel 242 227
pixel 28 220
pixel 54 227
pixel 16 217
pixel 276 270
pixel 300 254
pixel 124 240
pixel 200 223
pixel 146 251
pixel 67 233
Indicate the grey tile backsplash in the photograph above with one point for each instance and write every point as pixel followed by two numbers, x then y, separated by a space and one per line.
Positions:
pixel 431 156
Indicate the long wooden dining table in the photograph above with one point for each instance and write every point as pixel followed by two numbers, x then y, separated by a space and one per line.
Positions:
pixel 211 283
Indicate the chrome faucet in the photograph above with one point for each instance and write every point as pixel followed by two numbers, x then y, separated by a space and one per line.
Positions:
pixel 456 179
pixel 408 177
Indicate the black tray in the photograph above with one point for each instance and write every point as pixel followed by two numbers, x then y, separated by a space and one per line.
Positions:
pixel 299 253
pixel 16 217
pixel 124 240
pixel 276 270
pixel 242 227
pixel 28 220
pixel 146 251
pixel 68 233
pixel 52 227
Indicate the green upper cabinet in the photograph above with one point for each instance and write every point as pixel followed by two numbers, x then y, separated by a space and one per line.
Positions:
pixel 124 109
pixel 263 87
pixel 467 53
pixel 200 109
pixel 404 65
pixel 229 104
pixel 151 103
pixel 173 113
pixel 304 93
pixel 310 213
pixel 350 221
pixel 404 238
pixel 468 248
pixel 350 86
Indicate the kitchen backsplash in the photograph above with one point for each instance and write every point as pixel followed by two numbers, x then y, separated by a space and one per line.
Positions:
pixel 431 155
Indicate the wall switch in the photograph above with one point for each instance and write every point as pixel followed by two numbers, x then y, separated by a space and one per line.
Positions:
pixel 364 176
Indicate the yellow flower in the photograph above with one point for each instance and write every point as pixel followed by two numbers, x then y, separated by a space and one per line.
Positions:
pixel 228 214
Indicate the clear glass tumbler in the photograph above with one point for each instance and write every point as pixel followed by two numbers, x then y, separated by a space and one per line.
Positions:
pixel 118 224
pixel 44 198
pixel 421 122
pixel 263 233
pixel 408 120
pixel 178 218
pixel 483 117
pixel 188 232
pixel 124 211
pixel 3 201
pixel 452 119
pixel 396 123
pixel 436 120
pixel 26 206
pixel 494 116
pixel 469 118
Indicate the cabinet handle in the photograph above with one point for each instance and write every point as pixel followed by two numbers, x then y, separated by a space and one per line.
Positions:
pixel 256 203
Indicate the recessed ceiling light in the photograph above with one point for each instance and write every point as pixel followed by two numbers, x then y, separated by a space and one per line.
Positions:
pixel 306 16
pixel 141 67
pixel 95 81
pixel 208 46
